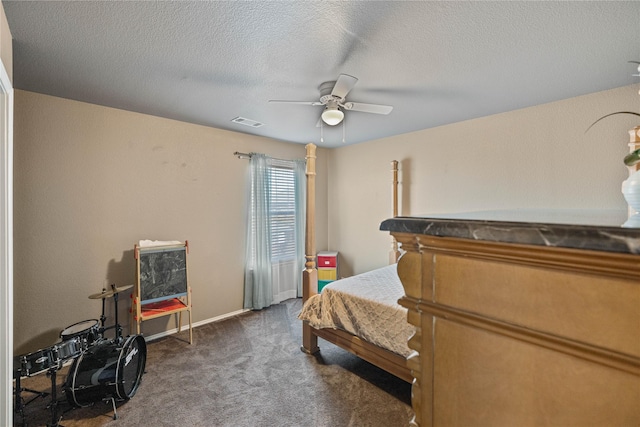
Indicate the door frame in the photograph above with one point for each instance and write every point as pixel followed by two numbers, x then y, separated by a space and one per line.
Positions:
pixel 6 248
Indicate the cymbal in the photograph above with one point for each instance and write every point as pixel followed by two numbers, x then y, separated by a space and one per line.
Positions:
pixel 109 293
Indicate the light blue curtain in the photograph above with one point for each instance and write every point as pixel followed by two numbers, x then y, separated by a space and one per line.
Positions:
pixel 267 280
pixel 258 285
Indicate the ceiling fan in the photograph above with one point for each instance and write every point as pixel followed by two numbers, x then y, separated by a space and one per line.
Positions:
pixel 333 97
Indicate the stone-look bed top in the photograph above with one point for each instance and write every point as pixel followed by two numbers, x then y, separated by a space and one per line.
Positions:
pixel 599 230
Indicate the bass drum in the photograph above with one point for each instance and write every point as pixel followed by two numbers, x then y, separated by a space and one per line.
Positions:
pixel 107 370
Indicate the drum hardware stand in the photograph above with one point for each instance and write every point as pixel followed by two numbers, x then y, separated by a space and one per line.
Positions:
pixel 103 318
pixel 113 403
pixel 104 295
pixel 19 403
pixel 55 418
pixel 118 337
pixel 111 399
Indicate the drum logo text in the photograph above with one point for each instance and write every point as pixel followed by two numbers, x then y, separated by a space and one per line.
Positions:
pixel 130 356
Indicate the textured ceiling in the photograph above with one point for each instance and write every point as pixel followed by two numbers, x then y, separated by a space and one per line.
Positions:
pixel 207 62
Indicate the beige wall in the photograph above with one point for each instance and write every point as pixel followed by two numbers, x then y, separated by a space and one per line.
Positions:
pixel 537 157
pixel 91 181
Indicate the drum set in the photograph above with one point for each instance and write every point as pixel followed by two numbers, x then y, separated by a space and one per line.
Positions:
pixel 102 369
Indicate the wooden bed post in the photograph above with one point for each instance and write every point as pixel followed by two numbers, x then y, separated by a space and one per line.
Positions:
pixel 394 254
pixel 384 359
pixel 310 273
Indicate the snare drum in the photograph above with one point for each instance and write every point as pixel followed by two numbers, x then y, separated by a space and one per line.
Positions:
pixel 107 370
pixel 38 361
pixel 87 331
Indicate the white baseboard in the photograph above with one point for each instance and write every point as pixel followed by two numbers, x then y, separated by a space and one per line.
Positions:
pixel 196 324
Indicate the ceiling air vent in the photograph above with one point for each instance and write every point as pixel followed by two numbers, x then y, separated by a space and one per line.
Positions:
pixel 247 122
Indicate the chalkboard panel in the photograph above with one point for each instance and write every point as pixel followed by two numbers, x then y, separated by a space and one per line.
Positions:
pixel 163 274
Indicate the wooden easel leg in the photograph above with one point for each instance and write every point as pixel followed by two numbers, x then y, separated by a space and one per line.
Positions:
pixel 179 322
pixel 190 329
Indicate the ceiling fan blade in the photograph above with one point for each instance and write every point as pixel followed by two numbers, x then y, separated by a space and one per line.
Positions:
pixel 368 108
pixel 343 85
pixel 297 102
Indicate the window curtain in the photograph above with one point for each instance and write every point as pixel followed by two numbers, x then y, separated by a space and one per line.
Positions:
pixel 258 292
pixel 269 277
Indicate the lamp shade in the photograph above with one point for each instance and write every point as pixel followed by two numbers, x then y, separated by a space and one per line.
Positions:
pixel 332 116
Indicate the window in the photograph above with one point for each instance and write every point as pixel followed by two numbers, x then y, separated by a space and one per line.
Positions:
pixel 275 231
pixel 282 211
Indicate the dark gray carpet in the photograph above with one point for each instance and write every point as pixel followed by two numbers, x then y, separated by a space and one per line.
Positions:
pixel 245 371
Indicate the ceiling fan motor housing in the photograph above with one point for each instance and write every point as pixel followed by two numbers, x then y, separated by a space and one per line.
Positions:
pixel 330 99
pixel 326 88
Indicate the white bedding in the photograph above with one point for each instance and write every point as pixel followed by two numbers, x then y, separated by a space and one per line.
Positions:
pixel 365 305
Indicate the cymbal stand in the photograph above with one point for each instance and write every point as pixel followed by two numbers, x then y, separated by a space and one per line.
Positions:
pixel 102 316
pixel 117 327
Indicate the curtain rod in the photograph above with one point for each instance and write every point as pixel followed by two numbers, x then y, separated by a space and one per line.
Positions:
pixel 248 156
pixel 242 155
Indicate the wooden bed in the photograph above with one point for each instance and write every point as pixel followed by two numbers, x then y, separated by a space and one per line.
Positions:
pixel 384 359
pixel 511 329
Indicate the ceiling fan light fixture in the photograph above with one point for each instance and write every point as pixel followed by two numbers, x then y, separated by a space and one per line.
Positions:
pixel 332 115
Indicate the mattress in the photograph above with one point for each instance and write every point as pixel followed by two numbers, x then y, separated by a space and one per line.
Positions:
pixel 365 305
